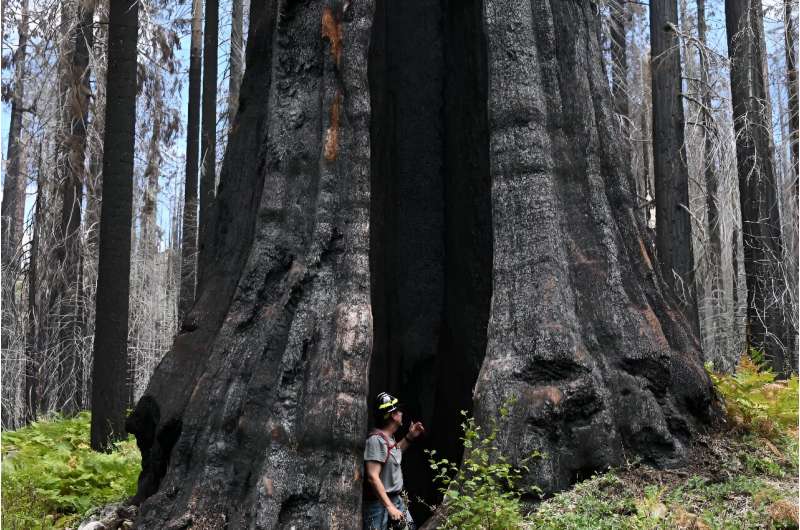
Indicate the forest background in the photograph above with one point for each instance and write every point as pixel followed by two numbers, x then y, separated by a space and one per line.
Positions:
pixel 49 298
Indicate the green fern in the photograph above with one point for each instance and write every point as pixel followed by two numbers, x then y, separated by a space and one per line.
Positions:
pixel 51 477
pixel 756 401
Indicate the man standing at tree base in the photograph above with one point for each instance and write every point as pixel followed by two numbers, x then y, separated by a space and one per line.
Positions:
pixel 383 506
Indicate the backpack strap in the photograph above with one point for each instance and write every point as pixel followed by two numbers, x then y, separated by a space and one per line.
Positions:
pixel 389 447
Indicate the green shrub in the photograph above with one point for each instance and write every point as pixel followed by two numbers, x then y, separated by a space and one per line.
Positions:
pixel 51 477
pixel 756 402
pixel 483 492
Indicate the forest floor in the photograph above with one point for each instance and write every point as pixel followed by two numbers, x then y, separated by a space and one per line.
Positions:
pixel 732 481
pixel 745 477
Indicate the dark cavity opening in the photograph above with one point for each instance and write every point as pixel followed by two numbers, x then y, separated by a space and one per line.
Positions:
pixel 431 230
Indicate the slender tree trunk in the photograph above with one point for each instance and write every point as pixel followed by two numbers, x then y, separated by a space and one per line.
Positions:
pixel 793 200
pixel 237 56
pixel 790 42
pixel 714 227
pixel 257 415
pixel 209 144
pixel 189 231
pixel 109 378
pixel 148 240
pixel 72 177
pixel 768 329
pixel 673 222
pixel 32 354
pixel 14 184
pixel 647 140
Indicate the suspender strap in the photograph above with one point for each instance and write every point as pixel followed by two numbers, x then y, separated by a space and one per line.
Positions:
pixel 389 447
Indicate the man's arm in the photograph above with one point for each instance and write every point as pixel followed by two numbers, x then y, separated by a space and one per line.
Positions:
pixel 404 443
pixel 414 431
pixel 374 478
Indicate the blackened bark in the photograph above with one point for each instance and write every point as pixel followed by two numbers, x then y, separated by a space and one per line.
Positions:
pixel 257 415
pixel 592 382
pixel 32 346
pixel 282 426
pixel 110 379
pixel 673 222
pixel 767 327
pixel 208 153
pixel 430 251
pixel 12 210
pixel 189 230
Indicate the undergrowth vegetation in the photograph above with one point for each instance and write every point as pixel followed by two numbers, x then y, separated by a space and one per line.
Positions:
pixel 756 402
pixel 483 491
pixel 744 477
pixel 51 477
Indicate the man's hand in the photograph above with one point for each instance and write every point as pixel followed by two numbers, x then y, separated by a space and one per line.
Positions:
pixel 394 513
pixel 415 430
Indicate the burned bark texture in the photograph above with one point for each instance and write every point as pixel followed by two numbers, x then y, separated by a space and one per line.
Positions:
pixel 208 151
pixel 671 174
pixel 110 377
pixel 582 332
pixel 12 208
pixel 460 216
pixel 768 327
pixel 257 414
pixel 188 278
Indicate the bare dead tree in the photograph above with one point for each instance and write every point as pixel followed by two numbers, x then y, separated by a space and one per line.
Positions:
pixel 72 177
pixel 768 327
pixel 13 206
pixel 189 232
pixel 208 154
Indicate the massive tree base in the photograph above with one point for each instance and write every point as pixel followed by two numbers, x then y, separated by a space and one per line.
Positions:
pixel 426 198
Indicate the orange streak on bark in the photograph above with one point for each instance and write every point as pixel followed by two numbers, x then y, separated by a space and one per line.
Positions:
pixel 332 31
pixel 332 134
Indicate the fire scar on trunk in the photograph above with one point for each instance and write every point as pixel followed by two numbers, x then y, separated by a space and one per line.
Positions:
pixel 332 134
pixel 331 30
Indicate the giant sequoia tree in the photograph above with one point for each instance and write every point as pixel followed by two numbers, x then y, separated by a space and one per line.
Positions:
pixel 424 197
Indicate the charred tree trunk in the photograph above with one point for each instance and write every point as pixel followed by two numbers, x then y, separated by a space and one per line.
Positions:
pixel 208 155
pixel 189 229
pixel 673 221
pixel 12 210
pixel 110 379
pixel 531 254
pixel 767 327
pixel 71 178
pixel 32 341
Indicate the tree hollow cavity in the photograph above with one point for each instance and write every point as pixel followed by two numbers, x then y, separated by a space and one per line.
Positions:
pixel 431 229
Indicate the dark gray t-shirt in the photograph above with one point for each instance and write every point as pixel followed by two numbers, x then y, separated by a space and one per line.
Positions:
pixel 391 473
